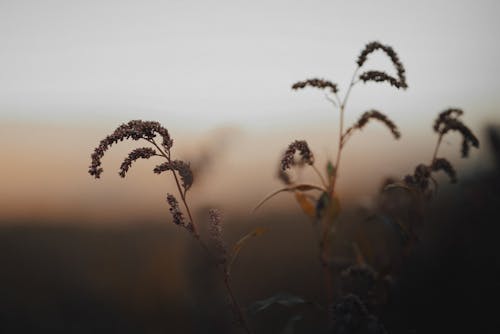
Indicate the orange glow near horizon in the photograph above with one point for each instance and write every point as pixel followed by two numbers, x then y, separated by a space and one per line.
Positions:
pixel 44 174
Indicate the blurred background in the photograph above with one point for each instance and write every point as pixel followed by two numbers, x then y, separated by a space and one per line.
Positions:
pixel 80 255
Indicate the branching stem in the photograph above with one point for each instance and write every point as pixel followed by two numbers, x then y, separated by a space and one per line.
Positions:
pixel 341 128
pixel 434 156
pixel 236 307
pixel 320 176
pixel 234 302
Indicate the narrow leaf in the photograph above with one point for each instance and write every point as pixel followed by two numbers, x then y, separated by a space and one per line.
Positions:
pixel 328 207
pixel 306 204
pixel 330 168
pixel 240 243
pixel 301 187
pixel 327 210
pixel 283 298
pixel 397 185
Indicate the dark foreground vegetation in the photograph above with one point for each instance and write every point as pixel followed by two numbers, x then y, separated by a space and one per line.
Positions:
pixel 147 278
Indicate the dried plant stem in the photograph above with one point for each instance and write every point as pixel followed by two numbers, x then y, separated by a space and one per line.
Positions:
pixel 327 275
pixel 341 128
pixel 234 302
pixel 323 182
pixel 196 235
pixel 434 156
pixel 236 307
pixel 325 244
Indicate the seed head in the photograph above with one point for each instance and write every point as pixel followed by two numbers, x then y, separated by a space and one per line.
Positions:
pixel 317 83
pixel 134 130
pixel 176 213
pixel 374 114
pixel 381 76
pixel 448 120
pixel 138 153
pixel 444 165
pixel 445 116
pixel 420 178
pixel 215 229
pixel 181 167
pixel 284 177
pixel 305 153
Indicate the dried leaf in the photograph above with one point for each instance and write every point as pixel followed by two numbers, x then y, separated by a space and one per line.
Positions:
pixel 301 187
pixel 306 204
pixel 283 298
pixel 327 210
pixel 397 185
pixel 328 207
pixel 240 243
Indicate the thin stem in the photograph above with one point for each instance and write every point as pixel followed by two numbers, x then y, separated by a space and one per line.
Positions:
pixel 183 195
pixel 332 101
pixel 196 235
pixel 320 176
pixel 351 84
pixel 234 302
pixel 338 99
pixel 437 148
pixel 341 128
pixel 324 249
pixel 325 244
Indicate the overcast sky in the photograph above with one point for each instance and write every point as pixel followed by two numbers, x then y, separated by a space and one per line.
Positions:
pixel 201 64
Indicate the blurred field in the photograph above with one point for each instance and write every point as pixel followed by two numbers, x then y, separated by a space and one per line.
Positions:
pixel 152 278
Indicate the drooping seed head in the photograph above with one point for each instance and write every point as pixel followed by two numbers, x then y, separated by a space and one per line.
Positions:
pixel 181 167
pixel 138 153
pixel 317 83
pixel 444 165
pixel 215 230
pixel 305 153
pixel 134 130
pixel 448 120
pixel 377 115
pixel 177 216
pixel 381 76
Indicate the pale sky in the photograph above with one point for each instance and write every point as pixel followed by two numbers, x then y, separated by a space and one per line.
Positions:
pixel 200 64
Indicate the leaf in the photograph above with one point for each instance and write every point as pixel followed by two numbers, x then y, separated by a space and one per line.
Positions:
pixel 327 210
pixel 330 168
pixel 322 204
pixel 397 185
pixel 306 204
pixel 330 171
pixel 301 187
pixel 328 207
pixel 401 185
pixel 284 298
pixel 240 243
